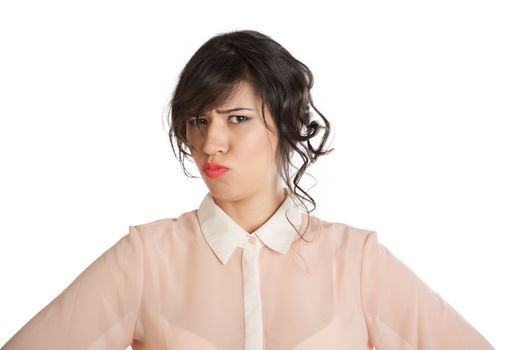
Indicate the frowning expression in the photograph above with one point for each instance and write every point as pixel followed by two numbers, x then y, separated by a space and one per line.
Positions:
pixel 234 135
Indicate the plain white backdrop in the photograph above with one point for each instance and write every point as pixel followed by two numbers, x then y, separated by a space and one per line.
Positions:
pixel 426 100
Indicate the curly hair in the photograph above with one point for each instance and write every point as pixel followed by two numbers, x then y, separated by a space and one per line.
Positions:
pixel 280 80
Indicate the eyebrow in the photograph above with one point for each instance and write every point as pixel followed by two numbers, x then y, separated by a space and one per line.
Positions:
pixel 233 110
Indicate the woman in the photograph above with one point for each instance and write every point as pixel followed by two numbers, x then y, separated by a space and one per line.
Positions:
pixel 251 268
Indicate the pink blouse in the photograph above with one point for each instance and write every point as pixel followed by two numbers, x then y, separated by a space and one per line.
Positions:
pixel 201 282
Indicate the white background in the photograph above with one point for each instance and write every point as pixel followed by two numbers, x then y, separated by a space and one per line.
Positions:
pixel 426 99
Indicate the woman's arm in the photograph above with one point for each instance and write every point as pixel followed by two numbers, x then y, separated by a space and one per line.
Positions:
pixel 98 310
pixel 403 312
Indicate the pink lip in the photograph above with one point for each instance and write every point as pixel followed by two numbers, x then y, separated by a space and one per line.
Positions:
pixel 213 166
pixel 214 170
pixel 215 173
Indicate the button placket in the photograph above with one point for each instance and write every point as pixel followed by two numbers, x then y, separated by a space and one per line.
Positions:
pixel 251 294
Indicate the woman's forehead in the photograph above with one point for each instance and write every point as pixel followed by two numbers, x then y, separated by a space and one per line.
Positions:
pixel 243 97
pixel 243 91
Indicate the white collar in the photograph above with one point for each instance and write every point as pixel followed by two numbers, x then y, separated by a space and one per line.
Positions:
pixel 224 235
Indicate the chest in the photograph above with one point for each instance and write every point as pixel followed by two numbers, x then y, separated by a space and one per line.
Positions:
pixel 256 301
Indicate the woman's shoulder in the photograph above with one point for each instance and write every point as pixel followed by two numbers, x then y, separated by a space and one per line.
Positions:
pixel 342 232
pixel 185 222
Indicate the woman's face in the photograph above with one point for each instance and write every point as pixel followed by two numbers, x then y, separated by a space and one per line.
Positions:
pixel 239 141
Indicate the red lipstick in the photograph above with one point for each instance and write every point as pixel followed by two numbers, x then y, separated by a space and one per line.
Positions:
pixel 214 170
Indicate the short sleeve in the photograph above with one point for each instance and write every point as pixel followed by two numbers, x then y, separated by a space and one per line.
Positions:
pixel 403 312
pixel 98 310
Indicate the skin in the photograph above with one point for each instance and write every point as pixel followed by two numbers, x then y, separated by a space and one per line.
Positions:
pixel 251 191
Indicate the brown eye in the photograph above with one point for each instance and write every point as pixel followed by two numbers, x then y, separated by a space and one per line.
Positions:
pixel 192 121
pixel 236 117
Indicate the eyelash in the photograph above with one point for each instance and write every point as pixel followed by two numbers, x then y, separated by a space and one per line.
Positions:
pixel 191 121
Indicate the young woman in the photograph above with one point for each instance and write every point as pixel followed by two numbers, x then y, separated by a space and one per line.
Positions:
pixel 251 268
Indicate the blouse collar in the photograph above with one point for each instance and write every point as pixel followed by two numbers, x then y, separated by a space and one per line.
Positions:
pixel 224 235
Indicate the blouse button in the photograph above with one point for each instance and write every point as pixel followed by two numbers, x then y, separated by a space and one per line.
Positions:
pixel 252 240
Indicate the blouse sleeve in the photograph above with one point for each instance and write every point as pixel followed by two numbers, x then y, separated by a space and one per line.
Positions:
pixel 98 310
pixel 403 312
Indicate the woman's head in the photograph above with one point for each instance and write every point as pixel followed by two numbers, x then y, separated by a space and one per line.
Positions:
pixel 246 69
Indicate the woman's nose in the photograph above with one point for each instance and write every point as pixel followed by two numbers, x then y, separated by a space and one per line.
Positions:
pixel 215 138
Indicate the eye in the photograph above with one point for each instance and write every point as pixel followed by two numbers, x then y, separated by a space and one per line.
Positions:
pixel 201 120
pixel 192 120
pixel 236 117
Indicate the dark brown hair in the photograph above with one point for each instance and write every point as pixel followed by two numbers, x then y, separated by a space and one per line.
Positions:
pixel 280 80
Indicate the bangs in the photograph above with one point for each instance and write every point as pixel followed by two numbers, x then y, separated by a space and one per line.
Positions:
pixel 210 88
